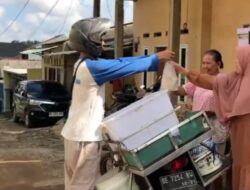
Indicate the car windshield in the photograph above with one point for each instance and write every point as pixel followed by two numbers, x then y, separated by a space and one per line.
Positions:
pixel 46 89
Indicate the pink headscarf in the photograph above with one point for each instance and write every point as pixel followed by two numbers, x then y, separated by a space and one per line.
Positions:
pixel 232 90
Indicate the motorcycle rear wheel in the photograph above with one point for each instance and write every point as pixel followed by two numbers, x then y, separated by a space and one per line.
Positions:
pixel 107 163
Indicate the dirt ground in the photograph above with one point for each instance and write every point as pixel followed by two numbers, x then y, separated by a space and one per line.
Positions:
pixel 30 159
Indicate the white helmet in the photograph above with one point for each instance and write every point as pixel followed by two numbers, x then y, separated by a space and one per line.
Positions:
pixel 86 35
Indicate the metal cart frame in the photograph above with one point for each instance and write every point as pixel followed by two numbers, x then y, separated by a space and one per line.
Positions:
pixel 178 151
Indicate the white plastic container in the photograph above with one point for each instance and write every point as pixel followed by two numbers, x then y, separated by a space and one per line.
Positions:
pixel 141 121
pixel 115 180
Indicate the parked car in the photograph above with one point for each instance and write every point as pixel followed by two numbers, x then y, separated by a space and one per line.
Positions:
pixel 40 100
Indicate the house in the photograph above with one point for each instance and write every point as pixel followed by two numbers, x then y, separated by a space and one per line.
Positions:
pixel 204 24
pixel 58 62
pixel 13 71
pixel 14 68
pixel 33 53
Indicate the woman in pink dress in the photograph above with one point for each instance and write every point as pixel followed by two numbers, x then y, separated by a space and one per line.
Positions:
pixel 232 97
pixel 204 100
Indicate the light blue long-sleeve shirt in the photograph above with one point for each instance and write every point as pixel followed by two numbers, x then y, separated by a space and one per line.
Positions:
pixel 103 70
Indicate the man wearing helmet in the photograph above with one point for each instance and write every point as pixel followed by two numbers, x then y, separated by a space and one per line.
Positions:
pixel 82 131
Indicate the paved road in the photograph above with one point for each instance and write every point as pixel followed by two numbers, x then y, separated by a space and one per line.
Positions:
pixel 30 159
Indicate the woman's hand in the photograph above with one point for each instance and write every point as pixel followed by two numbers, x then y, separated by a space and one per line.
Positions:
pixel 202 80
pixel 179 69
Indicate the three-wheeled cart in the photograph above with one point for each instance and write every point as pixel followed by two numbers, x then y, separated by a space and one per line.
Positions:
pixel 162 145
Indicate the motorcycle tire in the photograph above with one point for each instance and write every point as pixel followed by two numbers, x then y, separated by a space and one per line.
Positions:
pixel 106 163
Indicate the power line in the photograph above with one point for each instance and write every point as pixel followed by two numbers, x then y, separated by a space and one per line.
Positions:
pixel 60 27
pixel 48 13
pixel 66 16
pixel 16 17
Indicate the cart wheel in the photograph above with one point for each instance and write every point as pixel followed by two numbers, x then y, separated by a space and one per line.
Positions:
pixel 107 163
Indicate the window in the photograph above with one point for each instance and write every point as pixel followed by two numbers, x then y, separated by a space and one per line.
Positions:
pixel 46 73
pixel 43 89
pixel 58 75
pixel 146 35
pixel 157 34
pixel 183 63
pixel 52 73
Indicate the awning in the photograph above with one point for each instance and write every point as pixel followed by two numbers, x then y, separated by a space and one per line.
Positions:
pixel 37 51
pixel 61 53
pixel 15 71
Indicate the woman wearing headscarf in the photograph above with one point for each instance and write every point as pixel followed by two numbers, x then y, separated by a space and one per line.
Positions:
pixel 232 98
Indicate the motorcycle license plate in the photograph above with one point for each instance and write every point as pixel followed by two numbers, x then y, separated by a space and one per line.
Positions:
pixel 55 114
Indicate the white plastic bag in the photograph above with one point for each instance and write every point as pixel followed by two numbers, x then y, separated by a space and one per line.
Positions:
pixel 169 80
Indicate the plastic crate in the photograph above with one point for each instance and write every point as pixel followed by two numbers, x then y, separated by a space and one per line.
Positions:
pixel 146 155
pixel 196 124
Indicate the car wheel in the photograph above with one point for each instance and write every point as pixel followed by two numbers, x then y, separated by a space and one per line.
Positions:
pixel 15 117
pixel 27 120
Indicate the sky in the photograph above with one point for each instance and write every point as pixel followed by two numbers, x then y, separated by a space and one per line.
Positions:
pixel 43 19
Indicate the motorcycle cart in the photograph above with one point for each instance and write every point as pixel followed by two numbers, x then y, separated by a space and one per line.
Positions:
pixel 157 139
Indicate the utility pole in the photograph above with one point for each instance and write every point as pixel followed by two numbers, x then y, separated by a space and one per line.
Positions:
pixel 174 34
pixel 119 19
pixel 175 22
pixel 96 8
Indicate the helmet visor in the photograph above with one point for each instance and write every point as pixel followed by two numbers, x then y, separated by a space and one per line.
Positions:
pixel 98 29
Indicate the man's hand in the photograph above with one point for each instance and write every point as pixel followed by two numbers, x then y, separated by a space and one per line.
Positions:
pixel 166 55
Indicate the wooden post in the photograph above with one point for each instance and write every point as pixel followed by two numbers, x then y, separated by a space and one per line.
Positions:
pixel 118 43
pixel 174 30
pixel 174 34
pixel 96 8
pixel 119 14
